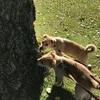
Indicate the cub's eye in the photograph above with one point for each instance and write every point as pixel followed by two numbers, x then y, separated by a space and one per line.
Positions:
pixel 46 44
pixel 42 42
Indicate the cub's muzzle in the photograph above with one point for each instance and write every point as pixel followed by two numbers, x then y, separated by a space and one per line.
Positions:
pixel 41 48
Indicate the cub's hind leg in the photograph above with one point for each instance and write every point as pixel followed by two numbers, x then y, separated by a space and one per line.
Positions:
pixel 80 93
pixel 83 59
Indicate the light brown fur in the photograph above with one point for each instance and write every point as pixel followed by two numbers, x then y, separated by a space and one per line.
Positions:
pixel 67 46
pixel 64 66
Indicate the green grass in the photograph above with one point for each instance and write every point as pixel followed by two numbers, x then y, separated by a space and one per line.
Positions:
pixel 78 20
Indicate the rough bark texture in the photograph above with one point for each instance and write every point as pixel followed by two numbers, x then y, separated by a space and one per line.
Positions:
pixel 20 78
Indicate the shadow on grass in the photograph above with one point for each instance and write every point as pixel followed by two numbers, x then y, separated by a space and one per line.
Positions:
pixel 58 93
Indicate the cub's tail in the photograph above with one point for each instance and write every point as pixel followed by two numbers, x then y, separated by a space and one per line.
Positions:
pixel 90 48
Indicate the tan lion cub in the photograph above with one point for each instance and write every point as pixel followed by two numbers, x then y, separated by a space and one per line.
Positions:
pixel 67 46
pixel 65 66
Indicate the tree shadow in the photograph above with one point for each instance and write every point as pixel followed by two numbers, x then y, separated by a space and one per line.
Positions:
pixel 58 93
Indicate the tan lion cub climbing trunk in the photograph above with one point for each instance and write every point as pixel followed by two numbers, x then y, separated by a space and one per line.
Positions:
pixel 67 46
pixel 65 66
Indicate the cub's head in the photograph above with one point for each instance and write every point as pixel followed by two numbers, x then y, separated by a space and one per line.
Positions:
pixel 47 60
pixel 47 42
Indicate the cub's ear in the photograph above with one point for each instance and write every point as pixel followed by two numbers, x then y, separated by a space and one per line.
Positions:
pixel 53 41
pixel 53 54
pixel 45 36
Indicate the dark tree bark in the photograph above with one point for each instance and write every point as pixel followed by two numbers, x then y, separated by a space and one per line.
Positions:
pixel 20 78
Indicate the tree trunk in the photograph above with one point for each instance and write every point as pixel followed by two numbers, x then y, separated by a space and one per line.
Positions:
pixel 20 78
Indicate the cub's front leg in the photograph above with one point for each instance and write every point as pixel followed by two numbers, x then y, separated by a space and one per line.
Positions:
pixel 59 81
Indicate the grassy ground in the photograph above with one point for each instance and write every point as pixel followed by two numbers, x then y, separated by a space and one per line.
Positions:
pixel 78 20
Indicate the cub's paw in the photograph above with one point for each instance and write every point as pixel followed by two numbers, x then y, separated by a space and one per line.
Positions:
pixel 58 84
